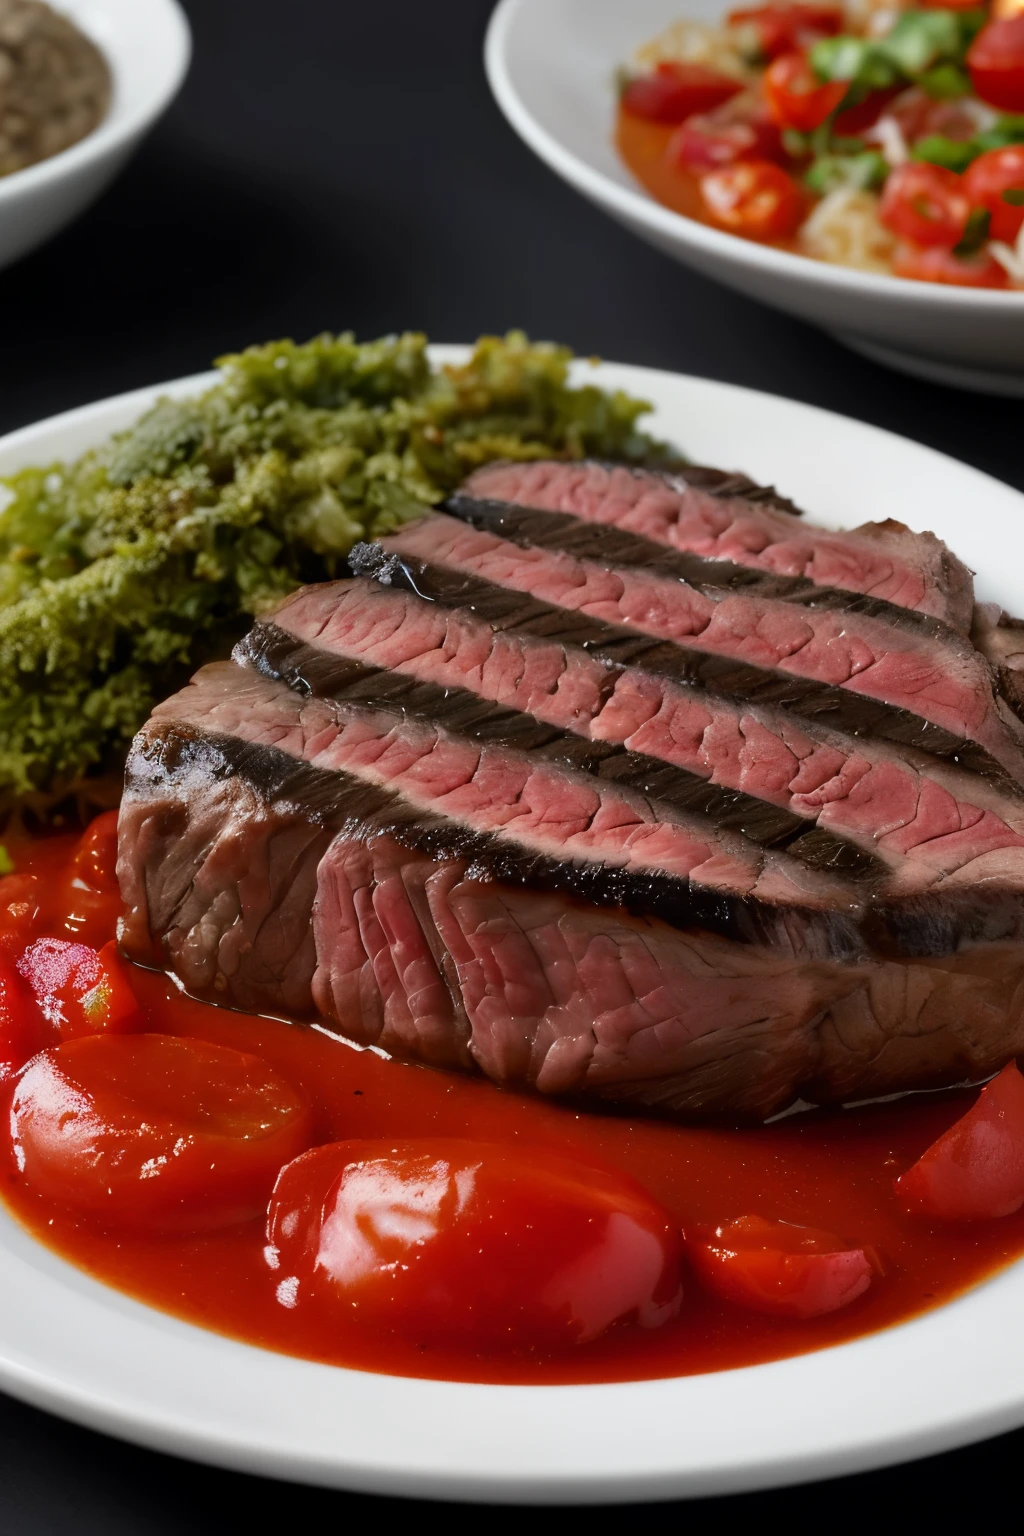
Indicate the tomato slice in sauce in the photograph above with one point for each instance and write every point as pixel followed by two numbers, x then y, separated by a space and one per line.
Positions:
pixel 472 1243
pixel 780 1268
pixel 154 1133
pixel 975 1172
pixel 23 1029
pixel 830 1171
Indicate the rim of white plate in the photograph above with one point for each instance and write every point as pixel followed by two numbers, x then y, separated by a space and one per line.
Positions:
pixel 74 1346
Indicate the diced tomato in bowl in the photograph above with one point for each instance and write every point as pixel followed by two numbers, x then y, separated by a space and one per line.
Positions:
pixel 937 264
pixel 783 28
pixel 925 204
pixel 796 97
pixel 995 182
pixel 673 92
pixel 740 130
pixel 996 62
pixel 755 198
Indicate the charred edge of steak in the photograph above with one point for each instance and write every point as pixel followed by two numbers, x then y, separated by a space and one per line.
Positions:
pixel 324 674
pixel 602 542
pixel 840 709
pixel 175 754
pixel 723 483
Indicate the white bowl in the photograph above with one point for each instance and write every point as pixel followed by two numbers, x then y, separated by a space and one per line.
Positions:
pixel 550 64
pixel 147 45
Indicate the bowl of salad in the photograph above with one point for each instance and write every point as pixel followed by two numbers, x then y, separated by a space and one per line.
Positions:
pixel 859 163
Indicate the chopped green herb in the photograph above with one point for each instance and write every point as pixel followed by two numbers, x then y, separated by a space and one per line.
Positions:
pixel 118 571
pixel 857 59
pixel 954 154
pixel 1007 130
pixel 975 234
pixel 7 865
pixel 1014 196
pixel 946 82
pixel 829 172
pixel 922 39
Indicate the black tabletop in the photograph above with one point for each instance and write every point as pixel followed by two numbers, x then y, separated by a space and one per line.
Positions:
pixel 336 164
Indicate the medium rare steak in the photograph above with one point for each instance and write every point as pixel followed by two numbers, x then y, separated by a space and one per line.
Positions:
pixel 942 688
pixel 703 512
pixel 531 796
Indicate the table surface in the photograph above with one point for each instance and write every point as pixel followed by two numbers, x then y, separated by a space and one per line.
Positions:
pixel 336 164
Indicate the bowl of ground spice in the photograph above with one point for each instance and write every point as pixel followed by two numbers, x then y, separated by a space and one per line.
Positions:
pixel 81 82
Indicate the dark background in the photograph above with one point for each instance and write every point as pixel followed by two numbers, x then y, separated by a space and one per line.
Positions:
pixel 337 164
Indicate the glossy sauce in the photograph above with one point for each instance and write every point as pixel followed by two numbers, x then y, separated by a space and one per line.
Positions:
pixel 642 146
pixel 830 1170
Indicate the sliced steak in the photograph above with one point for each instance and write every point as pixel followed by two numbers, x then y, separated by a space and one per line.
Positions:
pixel 224 843
pixel 850 806
pixel 705 513
pixel 518 815
pixel 851 671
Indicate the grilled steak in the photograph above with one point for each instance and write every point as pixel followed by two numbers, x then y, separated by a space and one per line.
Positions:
pixel 596 812
pixel 715 516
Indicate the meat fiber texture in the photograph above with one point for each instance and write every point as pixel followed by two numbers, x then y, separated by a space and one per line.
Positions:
pixel 480 807
pixel 886 560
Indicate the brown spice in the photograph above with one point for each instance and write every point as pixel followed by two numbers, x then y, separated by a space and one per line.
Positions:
pixel 54 84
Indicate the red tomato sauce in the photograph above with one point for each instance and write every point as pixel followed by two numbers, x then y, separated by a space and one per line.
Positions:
pixel 830 1170
pixel 642 146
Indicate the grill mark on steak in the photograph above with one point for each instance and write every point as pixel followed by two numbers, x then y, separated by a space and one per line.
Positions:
pixel 548 992
pixel 726 484
pixel 944 681
pixel 604 542
pixel 306 669
pixel 174 754
pixel 689 511
pixel 924 817
pixel 838 708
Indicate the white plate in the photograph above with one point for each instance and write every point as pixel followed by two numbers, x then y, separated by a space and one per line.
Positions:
pixel 551 66
pixel 69 1344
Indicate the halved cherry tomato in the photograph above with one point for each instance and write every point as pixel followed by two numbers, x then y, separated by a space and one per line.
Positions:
pixel 796 97
pixel 996 62
pixel 976 1170
pixel 472 1244
pixel 936 264
pixel 675 91
pixel 80 990
pixel 90 899
pixel 709 140
pixel 779 1268
pixel 95 860
pixel 925 204
pixel 155 1133
pixel 753 198
pixel 23 1029
pixel 988 179
pixel 783 28
pixel 21 911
